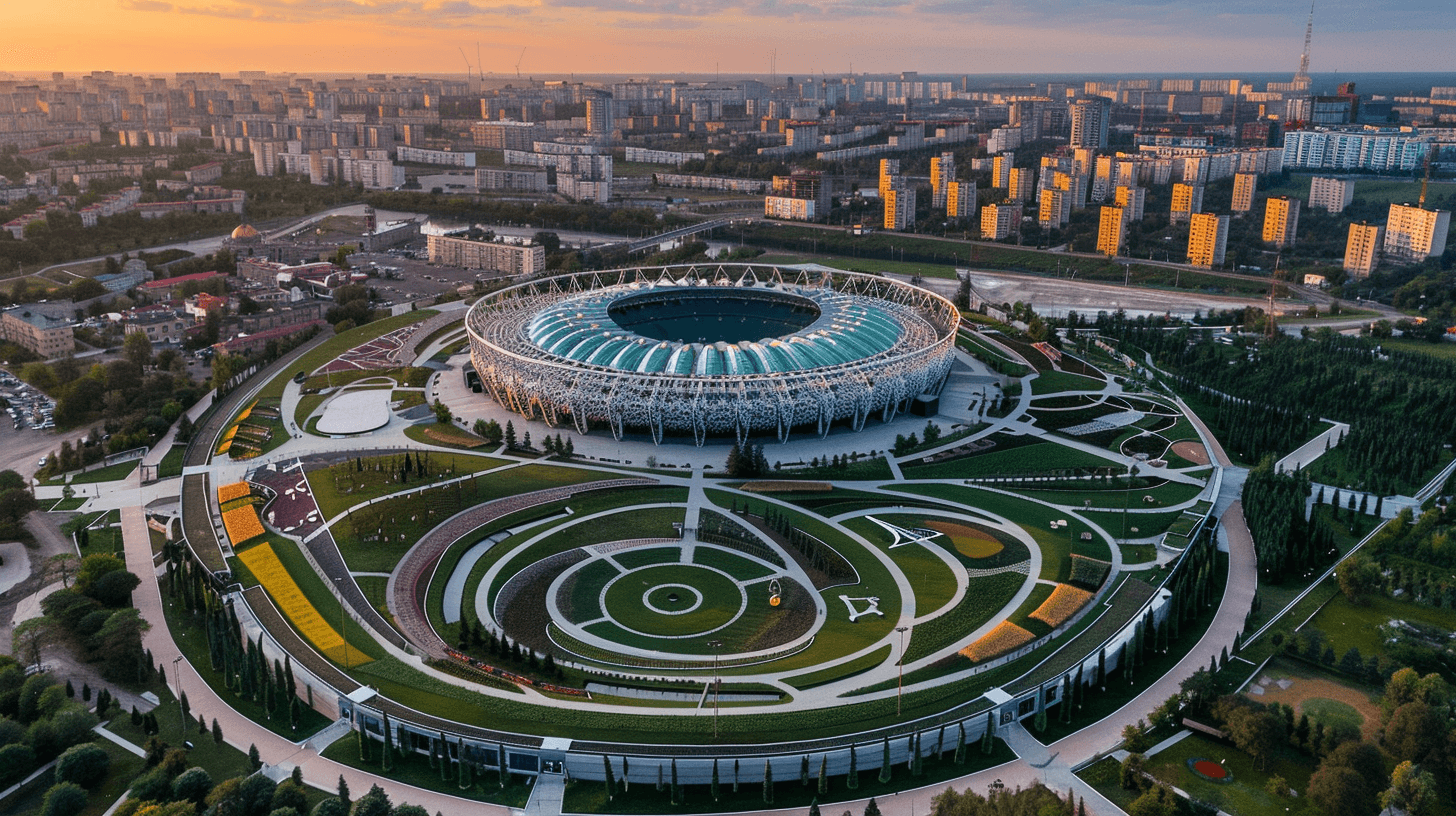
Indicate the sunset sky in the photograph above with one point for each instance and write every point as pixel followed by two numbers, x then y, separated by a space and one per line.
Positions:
pixel 701 36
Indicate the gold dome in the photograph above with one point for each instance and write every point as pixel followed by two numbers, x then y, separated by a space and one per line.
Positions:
pixel 244 231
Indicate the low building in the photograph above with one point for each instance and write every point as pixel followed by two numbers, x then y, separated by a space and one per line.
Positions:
pixel 250 343
pixel 168 288
pixel 44 329
pixel 494 179
pixel 494 256
pixel 789 209
pixel 160 323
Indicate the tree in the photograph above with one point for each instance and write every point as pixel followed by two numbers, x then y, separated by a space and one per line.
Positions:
pixel 137 350
pixel 609 779
pixel 373 803
pixel 64 799
pixel 1414 731
pixel 119 644
pixel 872 808
pixel 1358 577
pixel 442 413
pixel 1411 790
pixel 1340 791
pixel 32 637
pixel 1256 733
pixel 62 568
pixel 84 764
pixel 768 791
pixel 192 785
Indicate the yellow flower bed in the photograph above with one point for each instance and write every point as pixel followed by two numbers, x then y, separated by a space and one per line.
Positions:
pixel 1064 602
pixel 246 411
pixel 227 440
pixel 242 524
pixel 1002 639
pixel 270 572
pixel 229 492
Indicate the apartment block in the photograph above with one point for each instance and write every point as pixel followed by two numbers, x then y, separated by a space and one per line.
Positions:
pixel 1207 239
pixel 789 209
pixel 493 179
pixel 1054 209
pixel 43 329
pixel 1001 170
pixel 1187 202
pixel 960 199
pixel 999 221
pixel 1111 231
pixel 493 256
pixel 1413 234
pixel 1244 186
pixel 1281 220
pixel 899 207
pixel 1131 200
pixel 942 173
pixel 1362 249
pixel 1331 194
pixel 1022 185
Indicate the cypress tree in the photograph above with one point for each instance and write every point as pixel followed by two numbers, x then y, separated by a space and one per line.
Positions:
pixel 388 743
pixel 713 786
pixel 824 775
pixel 885 763
pixel 768 793
pixel 503 771
pixel 676 792
pixel 735 775
pixel 464 767
pixel 609 780
pixel 804 770
pixel 960 751
pixel 988 739
pixel 851 781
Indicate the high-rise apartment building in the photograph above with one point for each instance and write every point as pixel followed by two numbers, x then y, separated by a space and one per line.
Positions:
pixel 960 199
pixel 1362 249
pixel 1000 220
pixel 1131 200
pixel 899 207
pixel 942 172
pixel 889 169
pixel 1187 201
pixel 1001 170
pixel 1207 239
pixel 1111 230
pixel 1054 209
pixel 1022 185
pixel 1331 194
pixel 1413 234
pixel 1089 122
pixel 1281 220
pixel 1244 186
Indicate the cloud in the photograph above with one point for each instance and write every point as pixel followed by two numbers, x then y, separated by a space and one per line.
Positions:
pixel 144 5
pixel 669 23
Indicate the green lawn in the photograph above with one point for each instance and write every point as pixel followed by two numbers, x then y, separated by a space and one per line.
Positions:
pixel 1112 496
pixel 338 487
pixel 1348 624
pixel 1037 458
pixel 1245 794
pixel 1444 351
pixel 1052 382
pixel 1035 519
pixel 222 761
pixel 635 600
pixel 845 670
pixel 110 473
pixel 171 464
pixel 933 581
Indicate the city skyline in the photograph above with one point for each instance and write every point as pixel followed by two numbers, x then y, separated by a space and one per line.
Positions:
pixel 665 36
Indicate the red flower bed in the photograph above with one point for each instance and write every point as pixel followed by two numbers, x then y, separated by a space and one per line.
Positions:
pixel 1210 769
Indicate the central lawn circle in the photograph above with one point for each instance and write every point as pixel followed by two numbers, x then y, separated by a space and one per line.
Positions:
pixel 640 600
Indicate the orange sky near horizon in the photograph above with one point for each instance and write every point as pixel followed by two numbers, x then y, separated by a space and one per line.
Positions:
pixel 689 36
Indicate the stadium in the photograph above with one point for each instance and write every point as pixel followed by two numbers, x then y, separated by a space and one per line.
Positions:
pixel 731 349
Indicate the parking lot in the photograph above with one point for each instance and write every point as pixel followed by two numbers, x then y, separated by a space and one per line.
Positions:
pixel 26 407
pixel 402 278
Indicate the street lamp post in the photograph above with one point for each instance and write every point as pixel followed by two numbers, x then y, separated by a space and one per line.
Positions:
pixel 181 713
pixel 342 634
pixel 715 645
pixel 900 685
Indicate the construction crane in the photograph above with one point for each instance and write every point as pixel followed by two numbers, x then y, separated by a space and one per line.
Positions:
pixel 1302 75
pixel 518 62
pixel 467 64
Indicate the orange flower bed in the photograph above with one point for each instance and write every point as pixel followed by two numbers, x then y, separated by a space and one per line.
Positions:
pixel 242 524
pixel 230 492
pixel 1002 639
pixel 1064 602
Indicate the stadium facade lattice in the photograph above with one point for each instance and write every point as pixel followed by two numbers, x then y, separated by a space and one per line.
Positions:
pixel 711 350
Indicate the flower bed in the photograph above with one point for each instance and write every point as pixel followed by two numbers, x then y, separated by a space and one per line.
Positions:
pixel 1002 639
pixel 1210 770
pixel 231 492
pixel 274 577
pixel 1088 572
pixel 242 524
pixel 1064 602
